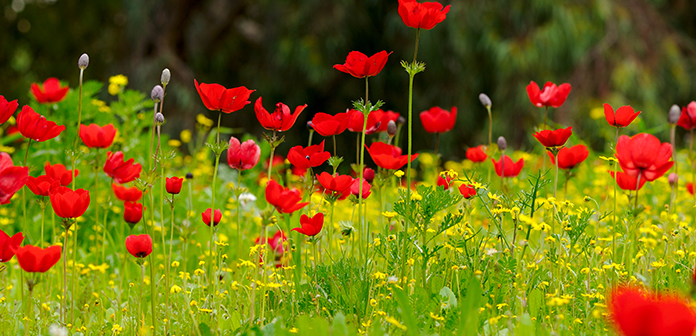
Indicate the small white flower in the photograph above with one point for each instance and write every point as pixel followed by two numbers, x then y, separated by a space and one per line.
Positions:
pixel 246 198
pixel 57 330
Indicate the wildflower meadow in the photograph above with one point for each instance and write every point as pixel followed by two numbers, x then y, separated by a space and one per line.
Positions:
pixel 113 224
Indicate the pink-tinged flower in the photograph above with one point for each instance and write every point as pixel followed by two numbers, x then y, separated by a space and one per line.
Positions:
pixel 687 119
pixel 644 155
pixel 388 156
pixel 506 168
pixel 438 120
pixel 359 65
pixel 8 245
pixel 555 138
pixel 628 182
pixel 569 157
pixel 49 92
pixel 216 97
pixel 477 154
pixel 97 137
pixel 283 199
pixel 550 95
pixel 467 190
pixel 11 178
pixel 355 188
pixel 280 120
pixel 637 313
pixel 424 15
pixel 35 126
pixel 132 194
pixel 119 170
pixel 243 156
pixel 60 173
pixel 68 203
pixel 7 109
pixel 623 117
pixel 312 156
pixel 42 185
pixel 217 217
pixel 328 125
pixel 310 226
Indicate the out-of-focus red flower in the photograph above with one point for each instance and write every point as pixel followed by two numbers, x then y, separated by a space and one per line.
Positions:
pixel 68 203
pixel 139 246
pixel 467 190
pixel 216 97
pixel 690 187
pixel 283 199
pixel 8 245
pixel 368 174
pixel 310 226
pixel 312 156
pixel 280 120
pixel 278 162
pixel 42 185
pixel 644 155
pixel 173 184
pixel 476 154
pixel 60 173
pixel 438 120
pixel 119 170
pixel 687 119
pixel 217 217
pixel 444 181
pixel 329 125
pixel 506 168
pixel 555 138
pixel 276 244
pixel 35 126
pixel 34 259
pixel 388 156
pixel 623 117
pixel 422 15
pixel 637 313
pixel 243 156
pixel 355 188
pixel 49 92
pixel 132 212
pixel 627 182
pixel 356 121
pixel 97 137
pixel 11 178
pixel 334 184
pixel 569 157
pixel 7 109
pixel 383 118
pixel 132 194
pixel 359 65
pixel 550 95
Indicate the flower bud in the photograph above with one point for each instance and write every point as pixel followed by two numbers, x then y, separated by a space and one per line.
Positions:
pixel 674 114
pixel 391 128
pixel 157 93
pixel 189 176
pixel 83 62
pixel 502 143
pixel 400 120
pixel 673 178
pixel 159 118
pixel 368 174
pixel 166 76
pixel 310 125
pixel 485 101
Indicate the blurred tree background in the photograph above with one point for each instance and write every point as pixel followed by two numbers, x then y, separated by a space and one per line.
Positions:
pixel 637 52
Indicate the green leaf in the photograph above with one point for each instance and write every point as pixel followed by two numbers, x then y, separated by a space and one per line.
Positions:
pixel 448 298
pixel 204 329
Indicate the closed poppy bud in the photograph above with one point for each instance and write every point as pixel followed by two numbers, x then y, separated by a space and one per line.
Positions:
pixel 8 245
pixel 34 259
pixel 217 217
pixel 83 61
pixel 159 119
pixel 157 93
pixel 368 174
pixel 7 109
pixel 674 114
pixel 400 120
pixel 166 76
pixel 502 143
pixel 173 185
pixel 139 246
pixel 68 203
pixel 391 128
pixel 243 156
pixel 485 101
pixel 189 176
pixel 132 212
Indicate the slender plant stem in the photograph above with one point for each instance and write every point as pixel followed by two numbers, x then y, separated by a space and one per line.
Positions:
pixel 141 319
pixel 675 185
pixel 555 180
pixel 152 139
pixel 311 135
pixel 490 125
pixel 65 277
pixel 153 291
pixel 239 215
pixel 362 162
pixel 616 183
pixel 79 113
pixel 334 143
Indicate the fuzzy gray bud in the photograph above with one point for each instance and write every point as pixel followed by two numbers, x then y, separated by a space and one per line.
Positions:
pixel 485 101
pixel 166 76
pixel 502 143
pixel 83 62
pixel 157 93
pixel 189 176
pixel 674 114
pixel 159 118
pixel 391 128
pixel 400 120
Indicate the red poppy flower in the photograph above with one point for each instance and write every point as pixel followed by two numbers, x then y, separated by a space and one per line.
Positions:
pixel 329 125
pixel 34 259
pixel 467 190
pixel 11 178
pixel 119 170
pixel 636 313
pixel 476 154
pixel 444 181
pixel 218 98
pixel 283 199
pixel 35 126
pixel 68 203
pixel 569 157
pixel 355 188
pixel 437 120
pixel 311 226
pixel 49 92
pixel 8 245
pixel 511 169
pixel 335 184
pixel 139 246
pixel 173 185
pixel 690 188
pixel 243 156
pixel 627 182
pixel 7 109
pixel 217 217
pixel 383 118
pixel 687 119
pixel 623 117
pixel 359 65
pixel 312 156
pixel 60 173
pixel 356 121
pixel 388 156
pixel 550 95
pixel 42 185
pixel 132 194
pixel 132 212
pixel 97 137
pixel 280 120
pixel 556 138
pixel 422 15
pixel 643 155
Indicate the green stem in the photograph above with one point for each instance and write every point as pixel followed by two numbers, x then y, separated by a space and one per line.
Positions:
pixel 490 125
pixel 616 183
pixel 555 180
pixel 311 135
pixel 140 301
pixel 79 113
pixel 153 299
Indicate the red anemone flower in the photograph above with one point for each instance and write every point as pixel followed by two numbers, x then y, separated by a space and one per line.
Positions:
pixel 139 246
pixel 244 155
pixel 438 120
pixel 355 188
pixel 132 212
pixel 335 184
pixel 311 156
pixel 49 92
pixel 328 125
pixel 690 187
pixel 68 203
pixel 97 137
pixel 556 138
pixel 119 170
pixel 637 313
pixel 35 126
pixel 280 120
pixel 34 259
pixel 506 168
pixel 283 199
pixel 623 117
pixel 359 65
pixel 42 185
pixel 60 173
pixel 173 185
pixel 132 194
pixel 476 154
pixel 311 226
pixel 7 109
pixel 368 174
pixel 467 190
pixel 422 15
pixel 388 156
pixel 356 121
pixel 687 119
pixel 644 156
pixel 383 118
pixel 8 245
pixel 11 178
pixel 569 157
pixel 444 181
pixel 216 97
pixel 627 182
pixel 217 217
pixel 550 95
